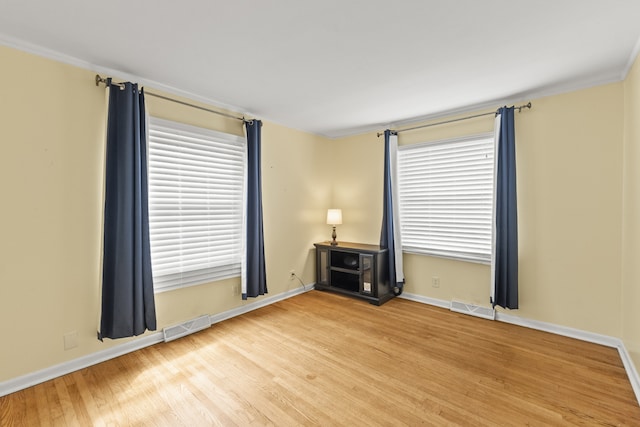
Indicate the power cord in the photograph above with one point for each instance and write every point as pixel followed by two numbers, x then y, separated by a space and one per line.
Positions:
pixel 304 287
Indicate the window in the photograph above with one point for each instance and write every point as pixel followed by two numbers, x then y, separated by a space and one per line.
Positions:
pixel 196 179
pixel 446 197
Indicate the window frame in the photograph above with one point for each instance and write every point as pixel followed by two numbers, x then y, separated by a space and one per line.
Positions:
pixel 226 140
pixel 468 255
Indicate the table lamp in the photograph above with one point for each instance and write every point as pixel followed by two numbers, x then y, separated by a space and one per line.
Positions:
pixel 334 217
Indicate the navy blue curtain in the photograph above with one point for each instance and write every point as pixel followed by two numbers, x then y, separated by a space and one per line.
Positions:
pixel 255 273
pixel 506 215
pixel 128 306
pixel 387 237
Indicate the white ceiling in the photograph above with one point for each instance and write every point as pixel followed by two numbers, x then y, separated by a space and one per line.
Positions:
pixel 338 67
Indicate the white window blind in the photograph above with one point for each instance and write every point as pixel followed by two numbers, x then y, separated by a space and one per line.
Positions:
pixel 196 179
pixel 445 192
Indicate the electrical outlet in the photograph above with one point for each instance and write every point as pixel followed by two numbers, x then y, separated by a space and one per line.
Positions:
pixel 435 282
pixel 292 275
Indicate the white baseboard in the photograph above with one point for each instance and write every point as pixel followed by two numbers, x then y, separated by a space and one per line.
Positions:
pixel 565 331
pixel 630 367
pixel 426 300
pixel 31 379
pixel 591 337
pixel 262 302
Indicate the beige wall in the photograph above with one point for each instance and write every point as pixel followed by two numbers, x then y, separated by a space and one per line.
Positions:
pixel 574 204
pixel 569 161
pixel 631 235
pixel 357 186
pixel 52 120
pixel 51 136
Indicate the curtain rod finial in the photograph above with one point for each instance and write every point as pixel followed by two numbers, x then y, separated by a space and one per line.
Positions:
pixel 527 105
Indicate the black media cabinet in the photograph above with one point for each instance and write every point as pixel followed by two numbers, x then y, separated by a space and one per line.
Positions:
pixel 353 269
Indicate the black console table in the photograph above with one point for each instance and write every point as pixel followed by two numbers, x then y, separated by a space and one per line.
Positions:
pixel 353 269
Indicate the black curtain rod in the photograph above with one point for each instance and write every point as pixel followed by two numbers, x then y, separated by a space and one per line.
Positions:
pixel 166 98
pixel 519 108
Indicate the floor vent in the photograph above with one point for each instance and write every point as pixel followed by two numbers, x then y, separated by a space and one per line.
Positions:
pixel 190 326
pixel 473 310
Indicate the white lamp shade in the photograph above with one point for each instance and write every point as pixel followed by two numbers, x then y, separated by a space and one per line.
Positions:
pixel 334 216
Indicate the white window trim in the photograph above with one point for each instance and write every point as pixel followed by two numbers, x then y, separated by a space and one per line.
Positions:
pixel 186 130
pixel 484 259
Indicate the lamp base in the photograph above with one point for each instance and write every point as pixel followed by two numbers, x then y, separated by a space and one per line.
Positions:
pixel 333 236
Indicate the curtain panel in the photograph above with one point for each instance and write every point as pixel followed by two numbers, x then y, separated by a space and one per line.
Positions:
pixel 390 234
pixel 504 259
pixel 128 305
pixel 254 277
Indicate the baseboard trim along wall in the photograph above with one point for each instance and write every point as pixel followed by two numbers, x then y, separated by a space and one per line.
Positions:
pixel 31 379
pixel 591 337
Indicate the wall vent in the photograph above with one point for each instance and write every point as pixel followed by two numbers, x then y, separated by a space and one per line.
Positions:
pixel 185 328
pixel 473 310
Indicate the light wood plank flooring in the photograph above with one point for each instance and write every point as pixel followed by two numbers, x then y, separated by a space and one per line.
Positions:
pixel 324 359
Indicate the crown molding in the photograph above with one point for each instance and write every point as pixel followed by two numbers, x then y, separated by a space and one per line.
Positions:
pixel 530 95
pixel 54 55
pixel 632 59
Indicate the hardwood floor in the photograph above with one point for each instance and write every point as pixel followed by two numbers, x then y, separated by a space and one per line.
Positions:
pixel 323 359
